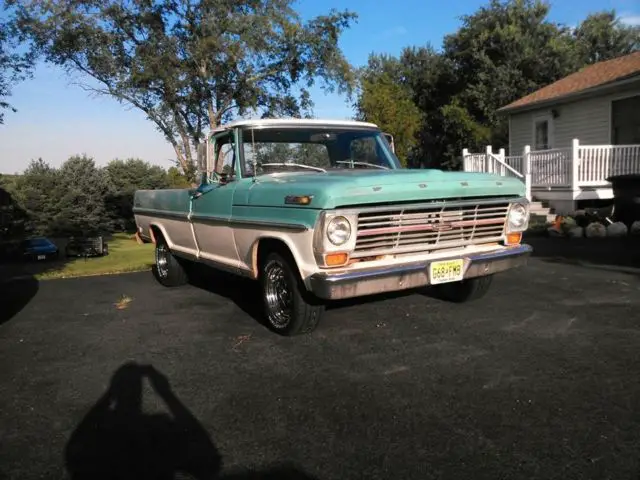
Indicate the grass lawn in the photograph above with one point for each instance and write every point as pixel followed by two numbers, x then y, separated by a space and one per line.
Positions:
pixel 125 255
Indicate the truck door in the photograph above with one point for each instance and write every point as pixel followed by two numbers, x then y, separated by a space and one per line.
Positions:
pixel 211 212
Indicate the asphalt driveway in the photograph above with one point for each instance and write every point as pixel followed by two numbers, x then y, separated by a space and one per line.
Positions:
pixel 537 381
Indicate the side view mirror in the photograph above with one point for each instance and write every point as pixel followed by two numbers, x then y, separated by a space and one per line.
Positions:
pixel 389 138
pixel 202 157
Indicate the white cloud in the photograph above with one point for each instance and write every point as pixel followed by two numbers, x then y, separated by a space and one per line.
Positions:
pixel 631 20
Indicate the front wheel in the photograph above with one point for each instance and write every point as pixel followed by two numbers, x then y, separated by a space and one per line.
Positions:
pixel 289 309
pixel 168 269
pixel 466 290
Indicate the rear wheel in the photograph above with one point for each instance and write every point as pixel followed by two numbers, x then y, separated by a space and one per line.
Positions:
pixel 466 290
pixel 168 269
pixel 288 307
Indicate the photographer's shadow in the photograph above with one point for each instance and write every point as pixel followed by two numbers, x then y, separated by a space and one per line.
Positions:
pixel 117 440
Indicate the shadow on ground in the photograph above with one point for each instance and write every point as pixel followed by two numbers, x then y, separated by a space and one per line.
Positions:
pixel 245 293
pixel 16 294
pixel 19 283
pixel 116 439
pixel 616 254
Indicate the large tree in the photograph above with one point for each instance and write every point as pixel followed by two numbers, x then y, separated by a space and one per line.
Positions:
pixel 125 177
pixel 602 36
pixel 16 63
pixel 504 51
pixel 190 64
pixel 386 100
pixel 501 52
pixel 64 201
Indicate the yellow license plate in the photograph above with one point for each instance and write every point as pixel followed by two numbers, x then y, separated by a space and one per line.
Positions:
pixel 446 271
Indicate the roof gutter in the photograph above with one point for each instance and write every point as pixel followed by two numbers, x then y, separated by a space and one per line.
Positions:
pixel 570 97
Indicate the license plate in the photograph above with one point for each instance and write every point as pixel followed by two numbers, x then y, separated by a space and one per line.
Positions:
pixel 446 271
pixel 41 257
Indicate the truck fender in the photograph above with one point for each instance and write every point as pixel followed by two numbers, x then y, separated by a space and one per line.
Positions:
pixel 152 231
pixel 285 243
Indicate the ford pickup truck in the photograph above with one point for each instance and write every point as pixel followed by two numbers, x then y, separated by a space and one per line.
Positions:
pixel 320 210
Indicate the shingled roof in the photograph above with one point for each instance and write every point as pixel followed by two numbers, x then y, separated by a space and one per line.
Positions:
pixel 594 76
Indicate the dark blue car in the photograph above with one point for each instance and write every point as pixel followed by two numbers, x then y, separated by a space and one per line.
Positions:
pixel 39 248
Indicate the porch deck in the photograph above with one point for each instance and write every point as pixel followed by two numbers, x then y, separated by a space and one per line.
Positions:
pixel 561 177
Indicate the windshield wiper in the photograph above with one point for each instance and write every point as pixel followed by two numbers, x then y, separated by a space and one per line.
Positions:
pixel 318 169
pixel 363 163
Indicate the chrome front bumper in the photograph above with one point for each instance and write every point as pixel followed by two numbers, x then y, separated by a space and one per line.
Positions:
pixel 363 282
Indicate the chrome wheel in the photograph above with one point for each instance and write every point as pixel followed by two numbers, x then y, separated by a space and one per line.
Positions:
pixel 277 295
pixel 162 260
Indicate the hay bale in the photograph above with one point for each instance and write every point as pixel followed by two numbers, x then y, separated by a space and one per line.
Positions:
pixel 595 230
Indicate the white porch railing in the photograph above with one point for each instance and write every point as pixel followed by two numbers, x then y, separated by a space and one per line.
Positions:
pixel 488 162
pixel 598 162
pixel 572 168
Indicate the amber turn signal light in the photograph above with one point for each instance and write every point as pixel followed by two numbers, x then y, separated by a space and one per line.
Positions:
pixel 336 259
pixel 514 238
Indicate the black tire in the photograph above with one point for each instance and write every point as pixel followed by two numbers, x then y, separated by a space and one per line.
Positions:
pixel 288 308
pixel 465 291
pixel 168 269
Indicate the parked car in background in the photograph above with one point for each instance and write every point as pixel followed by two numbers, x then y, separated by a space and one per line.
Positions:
pixel 86 247
pixel 39 248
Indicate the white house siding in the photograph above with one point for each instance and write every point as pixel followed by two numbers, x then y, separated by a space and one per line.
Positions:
pixel 588 120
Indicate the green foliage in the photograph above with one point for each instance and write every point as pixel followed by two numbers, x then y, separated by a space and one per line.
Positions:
pixel 80 198
pixel 502 52
pixel 36 191
pixel 601 36
pixel 177 179
pixel 189 65
pixel 12 216
pixel 15 65
pixel 388 102
pixel 124 178
pixel 76 203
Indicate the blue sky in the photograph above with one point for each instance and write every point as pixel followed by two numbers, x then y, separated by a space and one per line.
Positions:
pixel 56 119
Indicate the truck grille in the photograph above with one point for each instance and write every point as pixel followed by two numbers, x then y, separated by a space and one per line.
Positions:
pixel 421 229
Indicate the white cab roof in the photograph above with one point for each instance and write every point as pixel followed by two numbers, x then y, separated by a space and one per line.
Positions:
pixel 264 122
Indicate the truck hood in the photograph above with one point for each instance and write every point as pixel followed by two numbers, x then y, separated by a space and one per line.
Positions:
pixel 359 187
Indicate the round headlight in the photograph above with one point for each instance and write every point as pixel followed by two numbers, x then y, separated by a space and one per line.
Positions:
pixel 338 230
pixel 517 215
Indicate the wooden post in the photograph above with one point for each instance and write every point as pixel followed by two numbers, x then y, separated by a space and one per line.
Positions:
pixel 488 160
pixel 465 154
pixel 526 166
pixel 502 156
pixel 575 166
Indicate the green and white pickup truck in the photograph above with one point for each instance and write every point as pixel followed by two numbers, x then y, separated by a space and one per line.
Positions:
pixel 319 210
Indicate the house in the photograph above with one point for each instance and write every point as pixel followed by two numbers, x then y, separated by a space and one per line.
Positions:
pixel 568 137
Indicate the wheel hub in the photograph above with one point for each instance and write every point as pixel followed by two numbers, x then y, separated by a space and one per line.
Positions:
pixel 278 296
pixel 162 262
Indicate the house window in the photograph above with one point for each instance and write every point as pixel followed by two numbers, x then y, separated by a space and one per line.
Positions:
pixel 625 121
pixel 542 133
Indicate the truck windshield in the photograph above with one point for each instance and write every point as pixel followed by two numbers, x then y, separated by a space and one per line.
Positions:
pixel 309 149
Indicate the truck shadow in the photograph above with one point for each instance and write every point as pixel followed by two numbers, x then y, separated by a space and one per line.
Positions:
pixel 117 439
pixel 245 293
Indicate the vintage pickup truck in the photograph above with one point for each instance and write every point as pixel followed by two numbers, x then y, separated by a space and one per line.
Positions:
pixel 319 210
